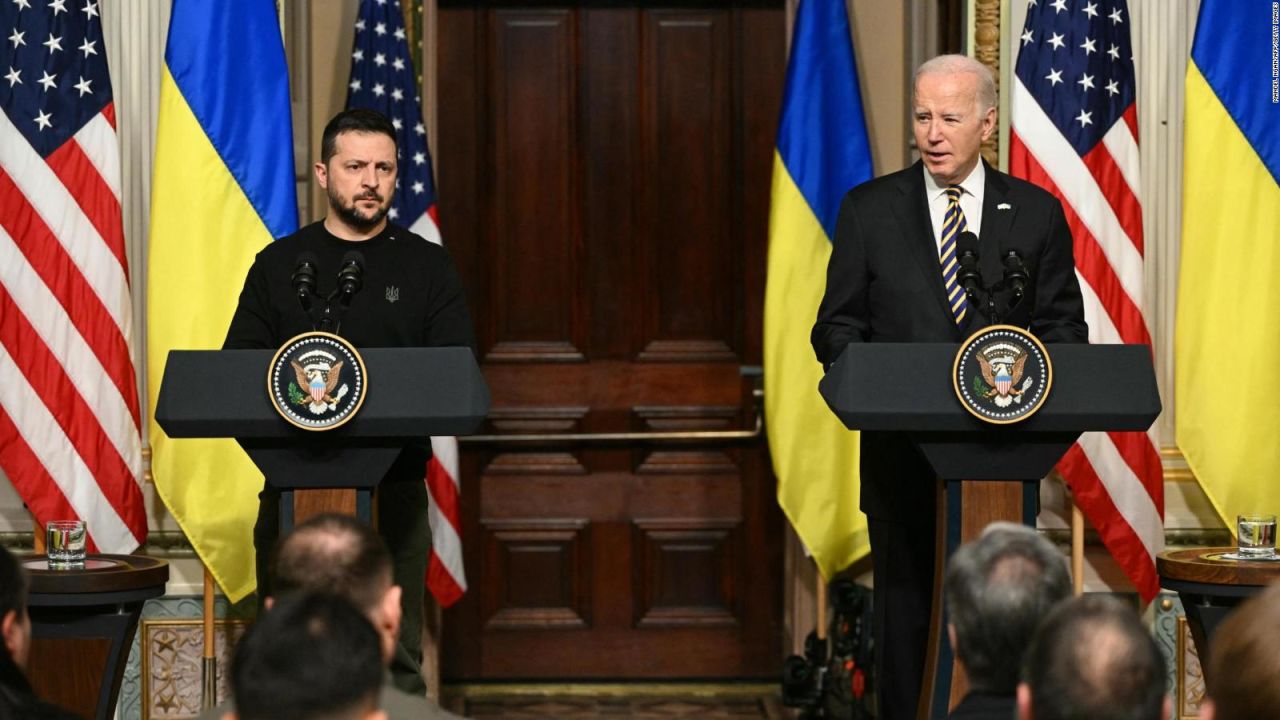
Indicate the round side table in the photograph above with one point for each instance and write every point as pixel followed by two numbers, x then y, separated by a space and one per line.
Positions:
pixel 82 626
pixel 1210 587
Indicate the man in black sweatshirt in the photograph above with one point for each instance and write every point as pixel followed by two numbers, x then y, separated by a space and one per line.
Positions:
pixel 412 297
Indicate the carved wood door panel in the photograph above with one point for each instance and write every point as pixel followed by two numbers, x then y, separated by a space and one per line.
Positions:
pixel 604 187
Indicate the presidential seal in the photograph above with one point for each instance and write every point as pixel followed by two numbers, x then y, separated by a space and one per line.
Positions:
pixel 316 381
pixel 1002 374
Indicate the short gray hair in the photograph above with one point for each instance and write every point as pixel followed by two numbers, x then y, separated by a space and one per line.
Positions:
pixel 997 589
pixel 953 64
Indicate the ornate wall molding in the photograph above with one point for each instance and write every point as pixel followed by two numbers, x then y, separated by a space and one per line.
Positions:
pixel 1185 680
pixel 162 680
pixel 986 48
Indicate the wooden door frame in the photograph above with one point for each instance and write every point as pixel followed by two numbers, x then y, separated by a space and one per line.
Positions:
pixel 892 148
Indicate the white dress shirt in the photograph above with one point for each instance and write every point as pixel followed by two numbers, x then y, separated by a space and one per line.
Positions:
pixel 970 201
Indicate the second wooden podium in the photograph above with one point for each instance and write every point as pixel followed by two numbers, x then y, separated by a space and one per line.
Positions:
pixel 987 472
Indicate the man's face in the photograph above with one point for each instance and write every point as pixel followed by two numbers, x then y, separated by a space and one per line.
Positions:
pixel 949 124
pixel 360 178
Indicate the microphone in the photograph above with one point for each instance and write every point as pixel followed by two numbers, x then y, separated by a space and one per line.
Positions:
pixel 351 276
pixel 968 275
pixel 304 278
pixel 1015 274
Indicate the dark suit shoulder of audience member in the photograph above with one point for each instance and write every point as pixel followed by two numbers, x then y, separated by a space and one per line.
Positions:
pixel 983 706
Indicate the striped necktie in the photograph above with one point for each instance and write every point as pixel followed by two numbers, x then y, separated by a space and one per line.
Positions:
pixel 952 225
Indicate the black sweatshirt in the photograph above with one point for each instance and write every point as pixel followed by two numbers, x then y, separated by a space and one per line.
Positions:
pixel 412 295
pixel 429 308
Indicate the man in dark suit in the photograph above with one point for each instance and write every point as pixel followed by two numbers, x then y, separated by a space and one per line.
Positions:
pixel 892 278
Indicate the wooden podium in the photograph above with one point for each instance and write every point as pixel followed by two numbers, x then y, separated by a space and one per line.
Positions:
pixel 413 393
pixel 987 472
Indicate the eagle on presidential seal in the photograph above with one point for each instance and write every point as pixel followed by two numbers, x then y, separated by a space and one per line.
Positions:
pixel 1002 368
pixel 319 383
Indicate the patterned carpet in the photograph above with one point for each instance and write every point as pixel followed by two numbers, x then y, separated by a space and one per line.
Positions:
pixel 616 702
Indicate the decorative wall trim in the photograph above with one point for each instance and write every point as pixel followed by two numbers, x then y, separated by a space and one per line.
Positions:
pixel 1185 680
pixel 172 664
pixel 986 48
pixel 1199 537
pixel 162 679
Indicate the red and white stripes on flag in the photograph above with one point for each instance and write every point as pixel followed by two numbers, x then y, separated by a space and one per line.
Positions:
pixel 70 437
pixel 446 577
pixel 1075 133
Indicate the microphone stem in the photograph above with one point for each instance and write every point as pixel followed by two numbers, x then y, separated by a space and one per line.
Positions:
pixel 326 320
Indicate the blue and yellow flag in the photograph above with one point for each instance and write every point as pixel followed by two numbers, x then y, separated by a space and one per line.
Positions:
pixel 822 152
pixel 222 189
pixel 1227 347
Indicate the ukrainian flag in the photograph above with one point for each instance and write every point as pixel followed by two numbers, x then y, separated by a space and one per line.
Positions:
pixel 822 152
pixel 1227 347
pixel 222 188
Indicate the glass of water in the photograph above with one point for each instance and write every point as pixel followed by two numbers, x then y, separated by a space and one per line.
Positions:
pixel 64 542
pixel 1256 536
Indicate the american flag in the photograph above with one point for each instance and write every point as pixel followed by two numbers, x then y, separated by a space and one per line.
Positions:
pixel 1075 132
pixel 383 79
pixel 69 422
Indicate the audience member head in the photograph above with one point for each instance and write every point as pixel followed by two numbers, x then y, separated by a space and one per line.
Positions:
pixel 341 555
pixel 1243 672
pixel 313 656
pixel 998 588
pixel 1092 659
pixel 15 624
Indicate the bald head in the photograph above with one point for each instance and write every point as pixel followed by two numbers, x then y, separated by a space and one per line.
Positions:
pixel 334 554
pixel 1092 658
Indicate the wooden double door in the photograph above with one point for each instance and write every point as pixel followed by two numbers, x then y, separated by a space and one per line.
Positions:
pixel 604 176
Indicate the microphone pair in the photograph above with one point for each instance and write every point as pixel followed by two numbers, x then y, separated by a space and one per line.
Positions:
pixel 350 280
pixel 969 277
pixel 350 277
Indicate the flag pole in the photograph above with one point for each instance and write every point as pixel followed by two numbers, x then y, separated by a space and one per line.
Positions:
pixel 209 676
pixel 822 604
pixel 1077 548
pixel 37 535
